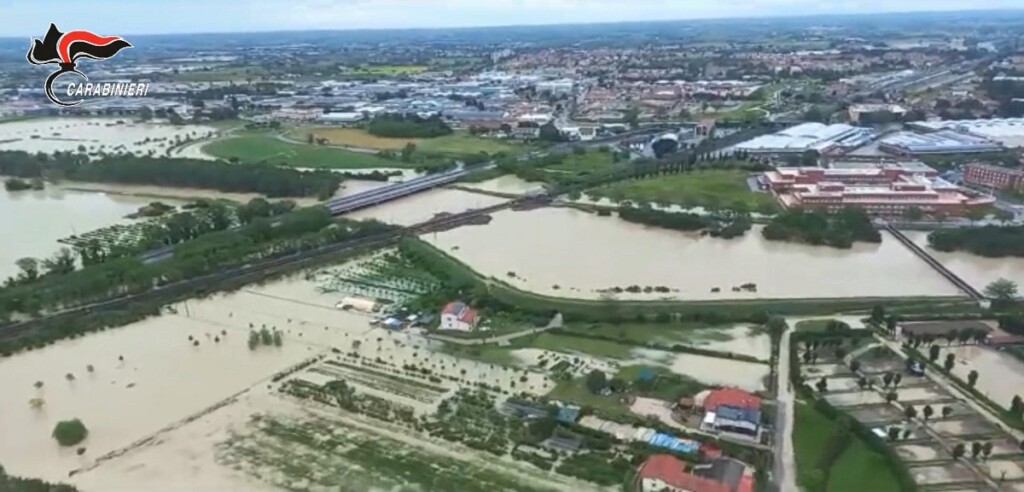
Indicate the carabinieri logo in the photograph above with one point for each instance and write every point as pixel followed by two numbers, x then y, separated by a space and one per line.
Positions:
pixel 65 49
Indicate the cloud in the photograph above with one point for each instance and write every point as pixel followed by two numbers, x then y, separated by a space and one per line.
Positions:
pixel 20 17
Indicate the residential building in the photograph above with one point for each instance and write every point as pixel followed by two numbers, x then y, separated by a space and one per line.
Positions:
pixel 735 420
pixel 663 472
pixel 734 474
pixel 734 397
pixel 989 176
pixel 458 316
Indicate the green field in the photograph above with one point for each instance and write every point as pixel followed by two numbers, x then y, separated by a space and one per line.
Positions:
pixel 464 143
pixel 713 189
pixel 663 333
pixel 260 149
pixel 587 163
pixel 458 143
pixel 858 469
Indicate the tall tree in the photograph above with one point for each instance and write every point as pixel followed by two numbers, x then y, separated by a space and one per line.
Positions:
pixel 972 378
pixel 928 411
pixel 1002 290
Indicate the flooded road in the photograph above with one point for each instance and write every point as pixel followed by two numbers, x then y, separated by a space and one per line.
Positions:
pixel 583 253
pixel 33 221
pixel 421 207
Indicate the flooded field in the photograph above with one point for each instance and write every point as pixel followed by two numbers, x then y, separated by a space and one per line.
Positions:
pixel 510 184
pixel 33 221
pixel 978 271
pixel 424 206
pixel 1000 375
pixel 151 407
pixel 708 370
pixel 583 254
pixel 99 135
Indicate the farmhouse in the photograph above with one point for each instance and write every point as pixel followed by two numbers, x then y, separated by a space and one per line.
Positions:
pixel 458 316
pixel 663 472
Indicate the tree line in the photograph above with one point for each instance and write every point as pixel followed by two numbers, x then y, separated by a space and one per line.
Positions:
pixel 10 483
pixel 838 230
pixel 261 238
pixel 408 126
pixel 725 226
pixel 990 241
pixel 165 171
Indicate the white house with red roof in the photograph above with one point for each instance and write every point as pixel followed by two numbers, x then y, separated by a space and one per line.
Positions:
pixel 458 316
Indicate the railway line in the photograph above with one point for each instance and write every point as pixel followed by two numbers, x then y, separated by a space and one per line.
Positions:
pixel 254 271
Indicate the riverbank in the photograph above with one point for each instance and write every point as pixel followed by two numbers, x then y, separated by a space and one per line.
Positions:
pixel 583 309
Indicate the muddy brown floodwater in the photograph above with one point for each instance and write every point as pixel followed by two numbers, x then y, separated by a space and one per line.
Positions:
pixel 978 271
pixel 583 253
pixel 31 222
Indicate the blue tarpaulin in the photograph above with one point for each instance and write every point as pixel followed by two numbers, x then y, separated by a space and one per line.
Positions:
pixel 673 443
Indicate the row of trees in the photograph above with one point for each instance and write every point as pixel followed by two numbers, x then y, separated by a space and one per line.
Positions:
pixel 301 230
pixel 408 126
pixel 838 230
pixel 726 226
pixel 990 241
pixel 18 484
pixel 165 171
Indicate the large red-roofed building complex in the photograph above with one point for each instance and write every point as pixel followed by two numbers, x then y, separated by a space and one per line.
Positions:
pixel 885 190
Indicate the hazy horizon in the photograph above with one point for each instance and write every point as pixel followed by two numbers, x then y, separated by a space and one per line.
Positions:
pixel 141 17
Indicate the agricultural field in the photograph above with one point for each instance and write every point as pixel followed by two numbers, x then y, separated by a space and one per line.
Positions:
pixel 455 144
pixel 586 163
pixel 330 454
pixel 384 275
pixel 708 189
pixel 268 149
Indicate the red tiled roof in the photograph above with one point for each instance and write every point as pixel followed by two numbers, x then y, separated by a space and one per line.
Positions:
pixel 672 471
pixel 746 484
pixel 734 397
pixel 465 313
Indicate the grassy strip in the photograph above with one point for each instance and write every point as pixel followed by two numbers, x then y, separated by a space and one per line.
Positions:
pixel 459 275
pixel 678 348
pixel 853 468
pixel 851 480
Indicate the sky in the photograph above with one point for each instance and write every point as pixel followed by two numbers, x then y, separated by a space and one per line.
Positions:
pixel 31 17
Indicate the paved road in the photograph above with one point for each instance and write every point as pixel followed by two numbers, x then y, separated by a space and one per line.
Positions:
pixel 785 459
